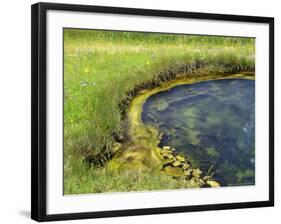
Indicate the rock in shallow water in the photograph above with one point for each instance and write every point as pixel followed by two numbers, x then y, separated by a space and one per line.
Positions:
pixel 177 163
pixel 180 158
pixel 196 173
pixel 185 166
pixel 166 148
pixel 187 173
pixel 213 183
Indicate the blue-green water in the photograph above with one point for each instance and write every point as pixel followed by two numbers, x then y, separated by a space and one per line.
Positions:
pixel 212 123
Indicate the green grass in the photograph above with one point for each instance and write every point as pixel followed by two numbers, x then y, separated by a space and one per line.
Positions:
pixel 100 67
pixel 98 180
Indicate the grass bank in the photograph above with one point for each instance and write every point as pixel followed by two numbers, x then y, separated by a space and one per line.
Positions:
pixel 101 70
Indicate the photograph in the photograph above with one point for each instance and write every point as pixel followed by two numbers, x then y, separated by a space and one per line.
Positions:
pixel 152 111
pixel 140 111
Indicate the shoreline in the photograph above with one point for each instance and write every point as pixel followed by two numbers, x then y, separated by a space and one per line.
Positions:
pixel 135 107
pixel 141 151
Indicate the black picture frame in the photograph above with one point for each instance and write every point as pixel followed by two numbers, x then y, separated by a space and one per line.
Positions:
pixel 38 108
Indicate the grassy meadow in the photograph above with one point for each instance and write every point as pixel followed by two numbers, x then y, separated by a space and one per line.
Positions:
pixel 100 68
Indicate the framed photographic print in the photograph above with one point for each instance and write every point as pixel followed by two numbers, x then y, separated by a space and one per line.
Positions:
pixel 140 111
